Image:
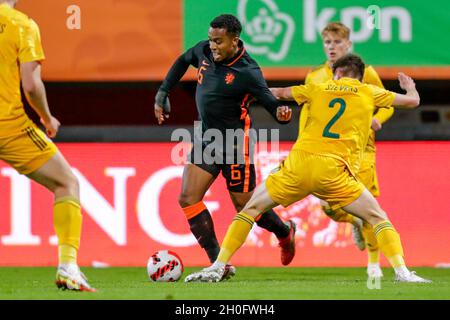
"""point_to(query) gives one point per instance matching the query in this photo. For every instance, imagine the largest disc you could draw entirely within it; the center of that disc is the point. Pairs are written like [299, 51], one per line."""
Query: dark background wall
[123, 111]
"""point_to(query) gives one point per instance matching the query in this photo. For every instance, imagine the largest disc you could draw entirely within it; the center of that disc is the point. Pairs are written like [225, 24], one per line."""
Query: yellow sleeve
[371, 77]
[30, 47]
[304, 113]
[384, 114]
[308, 78]
[301, 93]
[383, 97]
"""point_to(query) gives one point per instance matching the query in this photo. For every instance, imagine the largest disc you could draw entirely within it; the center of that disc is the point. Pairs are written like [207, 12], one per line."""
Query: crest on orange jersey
[229, 78]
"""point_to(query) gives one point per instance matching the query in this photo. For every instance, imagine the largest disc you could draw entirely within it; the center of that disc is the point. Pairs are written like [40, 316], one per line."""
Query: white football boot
[410, 276]
[210, 274]
[69, 277]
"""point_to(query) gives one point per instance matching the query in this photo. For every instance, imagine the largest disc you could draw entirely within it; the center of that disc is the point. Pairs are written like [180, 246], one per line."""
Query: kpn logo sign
[269, 31]
[285, 33]
[271, 28]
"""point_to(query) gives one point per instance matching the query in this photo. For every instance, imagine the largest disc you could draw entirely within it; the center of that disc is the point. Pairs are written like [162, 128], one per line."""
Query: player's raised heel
[287, 244]
[69, 277]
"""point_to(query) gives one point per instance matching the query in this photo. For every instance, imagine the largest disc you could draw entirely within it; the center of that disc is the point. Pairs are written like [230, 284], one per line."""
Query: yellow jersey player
[25, 147]
[324, 160]
[336, 43]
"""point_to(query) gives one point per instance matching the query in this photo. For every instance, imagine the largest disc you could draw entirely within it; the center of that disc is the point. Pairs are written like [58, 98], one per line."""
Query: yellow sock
[389, 242]
[396, 261]
[339, 215]
[236, 234]
[67, 254]
[67, 222]
[373, 256]
[373, 251]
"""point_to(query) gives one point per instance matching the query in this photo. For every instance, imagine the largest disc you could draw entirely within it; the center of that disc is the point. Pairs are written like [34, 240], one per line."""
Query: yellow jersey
[324, 73]
[339, 118]
[19, 43]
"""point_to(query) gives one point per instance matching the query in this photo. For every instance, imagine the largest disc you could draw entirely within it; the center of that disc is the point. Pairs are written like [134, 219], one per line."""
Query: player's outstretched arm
[411, 99]
[34, 89]
[258, 88]
[176, 72]
[162, 103]
[284, 94]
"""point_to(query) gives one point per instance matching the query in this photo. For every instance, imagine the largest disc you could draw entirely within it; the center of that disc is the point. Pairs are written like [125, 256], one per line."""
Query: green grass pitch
[249, 283]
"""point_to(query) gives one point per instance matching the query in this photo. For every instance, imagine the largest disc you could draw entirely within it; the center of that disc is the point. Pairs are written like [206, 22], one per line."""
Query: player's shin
[273, 223]
[202, 227]
[390, 244]
[373, 251]
[67, 221]
[236, 234]
[373, 256]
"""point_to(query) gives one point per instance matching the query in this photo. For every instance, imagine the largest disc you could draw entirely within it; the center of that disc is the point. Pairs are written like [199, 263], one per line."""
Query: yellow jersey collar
[351, 80]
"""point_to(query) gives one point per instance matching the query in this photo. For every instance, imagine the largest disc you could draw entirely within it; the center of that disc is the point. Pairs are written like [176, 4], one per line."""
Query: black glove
[162, 99]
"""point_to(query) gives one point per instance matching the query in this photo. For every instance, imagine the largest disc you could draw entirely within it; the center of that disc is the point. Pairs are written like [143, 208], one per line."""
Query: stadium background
[101, 80]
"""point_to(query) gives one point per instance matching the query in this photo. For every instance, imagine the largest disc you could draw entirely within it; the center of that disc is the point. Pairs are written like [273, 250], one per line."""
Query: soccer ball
[164, 266]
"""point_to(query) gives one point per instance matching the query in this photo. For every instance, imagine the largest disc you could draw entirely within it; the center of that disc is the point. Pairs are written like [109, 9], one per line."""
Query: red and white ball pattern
[164, 266]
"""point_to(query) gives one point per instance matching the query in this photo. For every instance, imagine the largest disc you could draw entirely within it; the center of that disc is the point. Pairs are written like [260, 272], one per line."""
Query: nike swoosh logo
[235, 184]
[205, 63]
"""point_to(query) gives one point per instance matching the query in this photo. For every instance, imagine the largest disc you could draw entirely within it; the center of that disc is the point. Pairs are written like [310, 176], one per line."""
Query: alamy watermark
[374, 19]
[213, 146]
[374, 283]
[73, 21]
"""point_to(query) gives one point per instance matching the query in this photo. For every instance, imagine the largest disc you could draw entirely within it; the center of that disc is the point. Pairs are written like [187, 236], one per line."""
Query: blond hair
[337, 28]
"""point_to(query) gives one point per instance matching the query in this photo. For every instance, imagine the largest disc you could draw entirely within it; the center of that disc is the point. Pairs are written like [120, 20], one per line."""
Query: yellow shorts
[304, 173]
[367, 173]
[27, 149]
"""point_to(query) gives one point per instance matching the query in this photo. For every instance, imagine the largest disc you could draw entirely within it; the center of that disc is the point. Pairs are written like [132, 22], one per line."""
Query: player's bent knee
[375, 217]
[239, 207]
[74, 183]
[186, 200]
[252, 209]
[67, 185]
[70, 181]
[182, 200]
[253, 212]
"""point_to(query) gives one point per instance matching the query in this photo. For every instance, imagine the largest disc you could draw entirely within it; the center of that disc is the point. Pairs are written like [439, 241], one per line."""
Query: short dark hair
[351, 64]
[228, 22]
